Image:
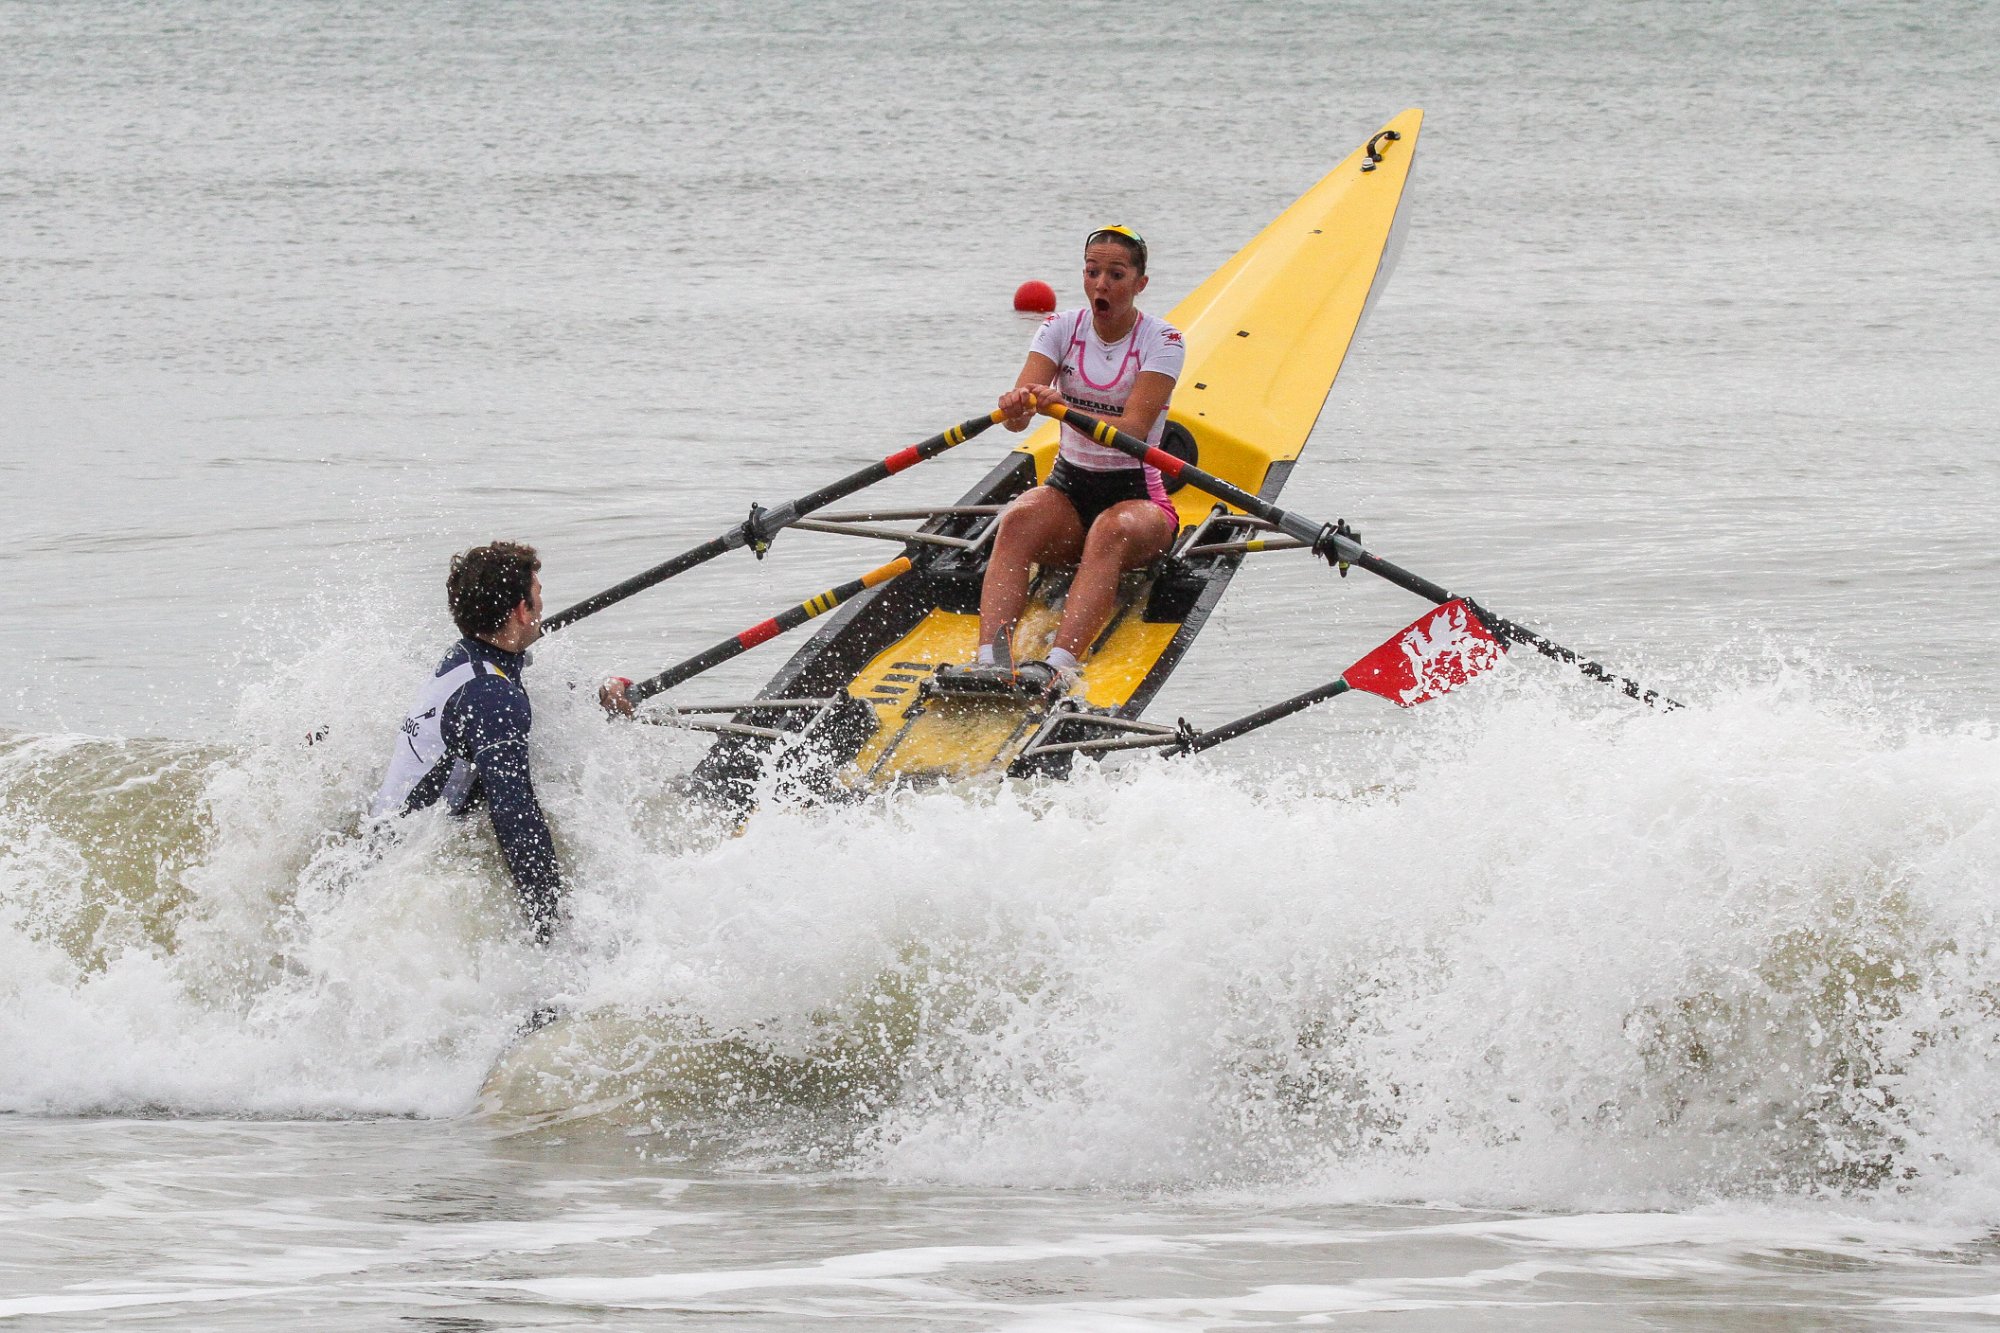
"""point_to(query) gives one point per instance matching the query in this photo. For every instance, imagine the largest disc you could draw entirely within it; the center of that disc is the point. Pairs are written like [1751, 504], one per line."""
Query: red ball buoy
[1036, 296]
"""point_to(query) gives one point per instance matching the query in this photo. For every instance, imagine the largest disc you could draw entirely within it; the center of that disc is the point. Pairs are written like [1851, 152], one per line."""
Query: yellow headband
[1127, 233]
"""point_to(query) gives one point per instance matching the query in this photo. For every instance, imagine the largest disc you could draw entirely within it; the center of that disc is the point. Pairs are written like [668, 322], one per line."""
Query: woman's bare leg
[1038, 528]
[1125, 536]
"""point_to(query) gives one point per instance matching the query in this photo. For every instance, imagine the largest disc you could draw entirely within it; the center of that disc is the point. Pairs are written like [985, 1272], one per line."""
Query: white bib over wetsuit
[422, 747]
[466, 741]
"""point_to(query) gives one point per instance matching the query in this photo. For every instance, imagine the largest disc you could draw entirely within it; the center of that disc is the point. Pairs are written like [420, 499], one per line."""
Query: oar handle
[764, 630]
[1107, 434]
[763, 525]
[1334, 544]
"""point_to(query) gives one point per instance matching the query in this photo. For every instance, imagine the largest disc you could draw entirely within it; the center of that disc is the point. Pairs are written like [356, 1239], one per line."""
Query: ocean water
[1528, 1008]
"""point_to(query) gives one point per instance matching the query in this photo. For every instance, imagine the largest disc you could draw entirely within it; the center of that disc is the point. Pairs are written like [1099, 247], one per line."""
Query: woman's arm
[1036, 380]
[1149, 398]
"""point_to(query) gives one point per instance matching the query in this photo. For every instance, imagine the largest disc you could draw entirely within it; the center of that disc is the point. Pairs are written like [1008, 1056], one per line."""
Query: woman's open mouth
[1103, 306]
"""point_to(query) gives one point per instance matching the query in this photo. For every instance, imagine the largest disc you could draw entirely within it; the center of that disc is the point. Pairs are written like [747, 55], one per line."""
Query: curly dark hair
[488, 582]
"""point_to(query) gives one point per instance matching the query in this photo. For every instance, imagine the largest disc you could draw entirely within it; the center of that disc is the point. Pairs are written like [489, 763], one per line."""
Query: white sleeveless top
[1098, 377]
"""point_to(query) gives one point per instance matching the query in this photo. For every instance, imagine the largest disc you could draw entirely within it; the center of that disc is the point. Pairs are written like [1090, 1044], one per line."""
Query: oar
[761, 528]
[1334, 544]
[1433, 655]
[790, 618]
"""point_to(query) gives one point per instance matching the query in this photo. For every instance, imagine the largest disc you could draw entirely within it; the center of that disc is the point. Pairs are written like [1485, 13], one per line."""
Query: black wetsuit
[485, 726]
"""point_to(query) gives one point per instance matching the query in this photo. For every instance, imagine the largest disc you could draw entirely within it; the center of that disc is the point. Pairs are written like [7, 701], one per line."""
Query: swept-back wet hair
[487, 583]
[1133, 247]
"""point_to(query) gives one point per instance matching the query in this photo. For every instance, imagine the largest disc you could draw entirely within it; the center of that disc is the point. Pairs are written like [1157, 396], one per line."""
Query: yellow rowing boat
[1265, 334]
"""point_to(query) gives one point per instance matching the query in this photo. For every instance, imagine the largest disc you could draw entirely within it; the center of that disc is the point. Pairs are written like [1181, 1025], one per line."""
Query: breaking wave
[1528, 946]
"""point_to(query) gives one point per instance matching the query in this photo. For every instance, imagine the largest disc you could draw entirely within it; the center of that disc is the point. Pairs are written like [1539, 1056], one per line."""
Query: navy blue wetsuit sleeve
[495, 729]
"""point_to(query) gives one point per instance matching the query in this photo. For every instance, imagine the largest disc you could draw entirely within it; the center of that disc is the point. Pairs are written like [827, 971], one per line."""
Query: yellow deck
[1265, 335]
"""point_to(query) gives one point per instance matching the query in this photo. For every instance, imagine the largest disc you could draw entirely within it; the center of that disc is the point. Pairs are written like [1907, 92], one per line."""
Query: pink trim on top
[1077, 346]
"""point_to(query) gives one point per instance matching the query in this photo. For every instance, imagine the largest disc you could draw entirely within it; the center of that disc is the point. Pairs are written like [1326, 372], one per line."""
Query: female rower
[1100, 510]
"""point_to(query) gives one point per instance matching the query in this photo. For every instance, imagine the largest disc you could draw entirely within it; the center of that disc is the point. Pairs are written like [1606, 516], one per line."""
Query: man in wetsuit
[466, 739]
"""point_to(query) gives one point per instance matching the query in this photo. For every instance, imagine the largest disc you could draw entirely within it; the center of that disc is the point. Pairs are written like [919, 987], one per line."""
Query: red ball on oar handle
[1036, 296]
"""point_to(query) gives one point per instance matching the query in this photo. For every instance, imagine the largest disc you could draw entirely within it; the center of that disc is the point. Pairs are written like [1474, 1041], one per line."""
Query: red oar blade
[1434, 655]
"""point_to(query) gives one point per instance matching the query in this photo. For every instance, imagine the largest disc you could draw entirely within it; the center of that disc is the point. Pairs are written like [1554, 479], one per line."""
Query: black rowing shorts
[1094, 492]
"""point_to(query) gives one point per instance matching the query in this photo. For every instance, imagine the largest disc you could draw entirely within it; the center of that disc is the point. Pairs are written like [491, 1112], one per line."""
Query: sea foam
[1530, 944]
